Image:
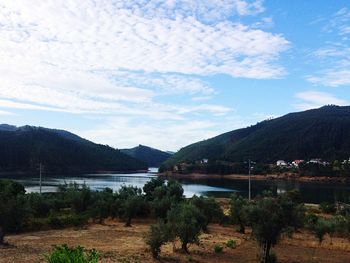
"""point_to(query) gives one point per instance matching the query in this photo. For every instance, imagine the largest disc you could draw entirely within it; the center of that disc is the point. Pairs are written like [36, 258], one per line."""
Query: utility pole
[250, 196]
[40, 168]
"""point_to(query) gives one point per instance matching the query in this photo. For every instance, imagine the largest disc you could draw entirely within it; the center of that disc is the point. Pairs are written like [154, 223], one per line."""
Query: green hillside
[319, 133]
[61, 152]
[152, 157]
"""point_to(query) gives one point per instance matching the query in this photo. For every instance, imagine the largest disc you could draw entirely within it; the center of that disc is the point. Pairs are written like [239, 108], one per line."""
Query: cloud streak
[315, 99]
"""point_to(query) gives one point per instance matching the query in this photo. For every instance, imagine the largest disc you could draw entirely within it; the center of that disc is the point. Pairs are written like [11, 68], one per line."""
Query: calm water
[311, 192]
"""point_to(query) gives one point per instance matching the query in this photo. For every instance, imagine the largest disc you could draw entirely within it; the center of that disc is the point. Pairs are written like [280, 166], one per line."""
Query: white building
[281, 163]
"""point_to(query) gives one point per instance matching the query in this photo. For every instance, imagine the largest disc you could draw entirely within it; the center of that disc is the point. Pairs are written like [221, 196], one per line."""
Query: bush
[65, 254]
[209, 208]
[321, 228]
[156, 237]
[231, 243]
[238, 211]
[55, 221]
[13, 208]
[40, 205]
[186, 222]
[218, 248]
[328, 208]
[311, 220]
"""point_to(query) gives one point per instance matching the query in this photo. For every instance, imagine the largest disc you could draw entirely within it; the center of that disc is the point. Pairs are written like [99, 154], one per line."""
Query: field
[117, 243]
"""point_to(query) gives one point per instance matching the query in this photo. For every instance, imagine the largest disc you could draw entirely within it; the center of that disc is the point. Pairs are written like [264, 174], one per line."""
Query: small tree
[270, 217]
[163, 196]
[238, 211]
[186, 222]
[13, 207]
[157, 236]
[320, 229]
[151, 185]
[209, 208]
[131, 203]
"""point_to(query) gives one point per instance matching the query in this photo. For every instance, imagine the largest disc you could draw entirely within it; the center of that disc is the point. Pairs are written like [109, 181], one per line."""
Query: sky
[167, 73]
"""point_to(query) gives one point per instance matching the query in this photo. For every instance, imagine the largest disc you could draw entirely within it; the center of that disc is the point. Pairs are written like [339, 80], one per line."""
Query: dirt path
[119, 244]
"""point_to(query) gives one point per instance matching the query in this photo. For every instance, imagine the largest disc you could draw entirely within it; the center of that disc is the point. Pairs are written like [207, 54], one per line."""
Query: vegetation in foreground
[268, 218]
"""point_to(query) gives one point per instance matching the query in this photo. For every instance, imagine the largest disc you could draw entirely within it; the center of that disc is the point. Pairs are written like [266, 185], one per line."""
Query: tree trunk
[2, 235]
[184, 247]
[267, 252]
[241, 228]
[128, 222]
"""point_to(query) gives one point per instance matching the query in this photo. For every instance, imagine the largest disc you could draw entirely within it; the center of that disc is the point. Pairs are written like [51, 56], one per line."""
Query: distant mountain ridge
[61, 152]
[153, 157]
[318, 133]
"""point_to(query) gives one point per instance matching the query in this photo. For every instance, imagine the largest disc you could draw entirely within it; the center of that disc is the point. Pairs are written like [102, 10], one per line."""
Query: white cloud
[99, 36]
[164, 84]
[119, 58]
[315, 99]
[334, 59]
[6, 113]
[170, 135]
[336, 63]
[339, 22]
[332, 77]
[203, 10]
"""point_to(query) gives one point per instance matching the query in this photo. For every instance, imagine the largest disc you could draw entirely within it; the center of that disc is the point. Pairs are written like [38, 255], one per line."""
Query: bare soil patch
[117, 243]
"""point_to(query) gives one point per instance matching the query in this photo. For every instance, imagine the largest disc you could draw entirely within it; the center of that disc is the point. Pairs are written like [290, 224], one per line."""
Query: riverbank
[276, 177]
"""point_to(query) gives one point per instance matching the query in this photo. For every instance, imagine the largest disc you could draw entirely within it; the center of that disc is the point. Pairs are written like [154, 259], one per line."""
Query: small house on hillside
[281, 163]
[297, 162]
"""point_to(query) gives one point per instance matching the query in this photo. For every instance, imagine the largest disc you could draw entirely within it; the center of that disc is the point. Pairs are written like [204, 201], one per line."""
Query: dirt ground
[117, 243]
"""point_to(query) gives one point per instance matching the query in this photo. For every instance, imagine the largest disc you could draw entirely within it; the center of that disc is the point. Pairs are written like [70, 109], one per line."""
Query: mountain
[61, 152]
[152, 157]
[319, 133]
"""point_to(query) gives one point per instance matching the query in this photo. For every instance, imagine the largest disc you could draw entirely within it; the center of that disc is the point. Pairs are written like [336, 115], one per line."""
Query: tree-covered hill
[61, 152]
[152, 157]
[319, 133]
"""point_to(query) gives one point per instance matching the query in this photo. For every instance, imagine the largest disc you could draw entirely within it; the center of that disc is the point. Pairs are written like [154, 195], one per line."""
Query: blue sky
[169, 73]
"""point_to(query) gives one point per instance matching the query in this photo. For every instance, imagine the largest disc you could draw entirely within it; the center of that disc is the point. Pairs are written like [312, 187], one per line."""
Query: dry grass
[119, 244]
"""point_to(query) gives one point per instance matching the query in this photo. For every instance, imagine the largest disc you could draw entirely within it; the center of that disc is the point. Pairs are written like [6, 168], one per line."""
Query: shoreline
[269, 177]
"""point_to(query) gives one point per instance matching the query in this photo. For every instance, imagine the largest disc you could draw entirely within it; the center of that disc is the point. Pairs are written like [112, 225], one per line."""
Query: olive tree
[13, 208]
[238, 211]
[185, 222]
[270, 217]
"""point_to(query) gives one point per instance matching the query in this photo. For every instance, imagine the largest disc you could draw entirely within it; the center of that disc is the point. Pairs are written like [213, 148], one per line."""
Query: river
[310, 192]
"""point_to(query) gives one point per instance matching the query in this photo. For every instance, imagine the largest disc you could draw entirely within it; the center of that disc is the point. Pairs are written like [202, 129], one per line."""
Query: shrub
[55, 221]
[189, 258]
[186, 222]
[270, 217]
[13, 208]
[231, 243]
[209, 208]
[218, 248]
[39, 205]
[156, 237]
[328, 208]
[238, 213]
[320, 229]
[65, 254]
[311, 220]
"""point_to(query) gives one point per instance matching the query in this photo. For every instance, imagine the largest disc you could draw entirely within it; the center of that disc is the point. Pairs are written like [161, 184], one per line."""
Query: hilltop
[152, 157]
[61, 152]
[318, 133]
